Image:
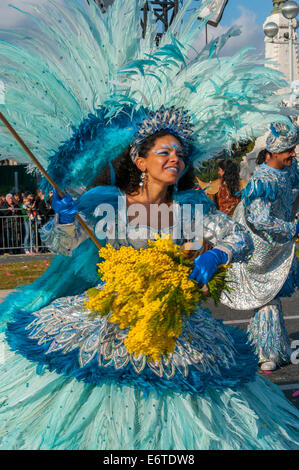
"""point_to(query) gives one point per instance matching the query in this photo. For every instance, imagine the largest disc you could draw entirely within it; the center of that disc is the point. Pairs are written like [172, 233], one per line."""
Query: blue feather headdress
[175, 121]
[78, 101]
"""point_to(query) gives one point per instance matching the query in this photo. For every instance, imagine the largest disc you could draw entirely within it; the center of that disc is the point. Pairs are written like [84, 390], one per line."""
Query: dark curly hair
[231, 175]
[128, 176]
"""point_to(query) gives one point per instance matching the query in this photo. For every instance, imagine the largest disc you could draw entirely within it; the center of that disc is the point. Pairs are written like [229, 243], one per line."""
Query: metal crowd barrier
[13, 230]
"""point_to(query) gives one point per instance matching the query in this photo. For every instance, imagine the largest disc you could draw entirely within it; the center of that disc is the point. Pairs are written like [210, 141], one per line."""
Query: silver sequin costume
[267, 210]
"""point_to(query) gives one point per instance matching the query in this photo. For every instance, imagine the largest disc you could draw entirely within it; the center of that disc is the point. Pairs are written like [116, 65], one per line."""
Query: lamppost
[290, 10]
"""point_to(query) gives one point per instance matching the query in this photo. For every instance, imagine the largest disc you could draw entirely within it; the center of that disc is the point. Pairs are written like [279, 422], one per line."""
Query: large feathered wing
[78, 83]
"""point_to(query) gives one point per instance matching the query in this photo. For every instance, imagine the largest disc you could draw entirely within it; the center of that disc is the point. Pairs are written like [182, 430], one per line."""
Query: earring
[142, 179]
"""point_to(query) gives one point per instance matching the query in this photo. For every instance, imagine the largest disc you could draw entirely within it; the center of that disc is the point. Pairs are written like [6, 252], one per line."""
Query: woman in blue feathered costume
[68, 382]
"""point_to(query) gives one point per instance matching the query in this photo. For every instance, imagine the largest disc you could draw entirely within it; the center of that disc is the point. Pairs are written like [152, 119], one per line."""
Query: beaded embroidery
[175, 120]
[65, 326]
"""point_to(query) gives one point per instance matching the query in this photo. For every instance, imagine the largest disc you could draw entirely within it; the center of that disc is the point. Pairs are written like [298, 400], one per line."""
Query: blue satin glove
[65, 207]
[207, 264]
[297, 229]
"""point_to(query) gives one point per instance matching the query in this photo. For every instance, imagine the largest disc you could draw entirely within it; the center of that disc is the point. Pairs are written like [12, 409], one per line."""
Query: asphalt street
[287, 377]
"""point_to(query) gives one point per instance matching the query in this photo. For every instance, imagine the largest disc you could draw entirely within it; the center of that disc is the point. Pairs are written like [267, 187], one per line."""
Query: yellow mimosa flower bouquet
[149, 292]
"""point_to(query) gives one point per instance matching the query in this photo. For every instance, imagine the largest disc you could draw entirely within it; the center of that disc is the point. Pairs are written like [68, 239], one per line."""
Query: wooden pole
[43, 171]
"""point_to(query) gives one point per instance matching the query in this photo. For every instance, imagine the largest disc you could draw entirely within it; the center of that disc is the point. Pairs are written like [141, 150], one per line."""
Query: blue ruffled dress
[68, 382]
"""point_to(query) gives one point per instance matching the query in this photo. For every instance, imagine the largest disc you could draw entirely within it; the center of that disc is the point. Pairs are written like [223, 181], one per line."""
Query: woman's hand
[65, 207]
[207, 264]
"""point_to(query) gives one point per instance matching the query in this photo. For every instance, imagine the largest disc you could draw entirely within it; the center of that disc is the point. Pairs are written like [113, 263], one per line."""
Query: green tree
[208, 170]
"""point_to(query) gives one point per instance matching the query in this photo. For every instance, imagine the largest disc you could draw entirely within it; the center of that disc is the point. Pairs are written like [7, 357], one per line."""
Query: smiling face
[283, 159]
[164, 162]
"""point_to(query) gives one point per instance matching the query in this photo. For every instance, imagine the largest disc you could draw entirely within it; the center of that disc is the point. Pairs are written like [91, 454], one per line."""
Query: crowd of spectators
[21, 216]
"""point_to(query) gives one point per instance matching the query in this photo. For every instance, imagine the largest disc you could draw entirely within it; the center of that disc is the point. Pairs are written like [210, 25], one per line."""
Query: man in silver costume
[268, 210]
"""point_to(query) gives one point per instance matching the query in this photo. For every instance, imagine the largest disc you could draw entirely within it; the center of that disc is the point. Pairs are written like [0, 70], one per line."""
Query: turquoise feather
[97, 62]
[191, 87]
[256, 188]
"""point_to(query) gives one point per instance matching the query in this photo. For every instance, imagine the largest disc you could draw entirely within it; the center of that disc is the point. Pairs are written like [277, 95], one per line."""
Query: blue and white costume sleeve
[222, 232]
[294, 175]
[260, 218]
[264, 214]
[266, 210]
[62, 238]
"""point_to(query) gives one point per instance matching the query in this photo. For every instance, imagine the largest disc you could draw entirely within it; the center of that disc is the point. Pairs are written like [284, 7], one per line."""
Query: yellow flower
[148, 292]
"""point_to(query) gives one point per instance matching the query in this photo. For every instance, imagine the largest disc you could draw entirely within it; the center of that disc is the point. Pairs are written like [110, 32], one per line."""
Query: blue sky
[262, 9]
[249, 14]
[231, 13]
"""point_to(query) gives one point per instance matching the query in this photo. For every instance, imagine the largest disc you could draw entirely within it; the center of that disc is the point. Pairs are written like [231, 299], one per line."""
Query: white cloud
[252, 34]
[10, 17]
